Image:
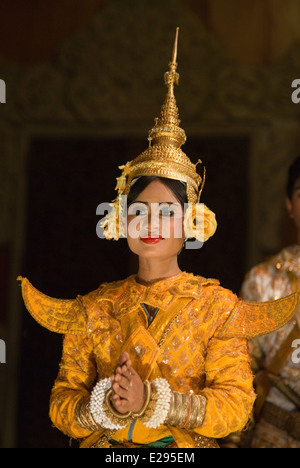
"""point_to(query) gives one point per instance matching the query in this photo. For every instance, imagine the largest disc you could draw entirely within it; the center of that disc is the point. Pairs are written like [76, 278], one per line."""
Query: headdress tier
[164, 157]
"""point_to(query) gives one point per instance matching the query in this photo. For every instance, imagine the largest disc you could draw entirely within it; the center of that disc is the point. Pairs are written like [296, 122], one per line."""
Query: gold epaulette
[251, 319]
[57, 315]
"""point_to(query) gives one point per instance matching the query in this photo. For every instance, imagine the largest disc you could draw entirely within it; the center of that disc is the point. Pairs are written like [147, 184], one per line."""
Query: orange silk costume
[197, 342]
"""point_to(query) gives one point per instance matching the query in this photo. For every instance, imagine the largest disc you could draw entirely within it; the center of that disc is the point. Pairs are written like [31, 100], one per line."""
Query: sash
[143, 345]
[264, 382]
[144, 350]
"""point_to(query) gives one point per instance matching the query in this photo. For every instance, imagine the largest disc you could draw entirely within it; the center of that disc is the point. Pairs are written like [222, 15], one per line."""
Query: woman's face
[155, 223]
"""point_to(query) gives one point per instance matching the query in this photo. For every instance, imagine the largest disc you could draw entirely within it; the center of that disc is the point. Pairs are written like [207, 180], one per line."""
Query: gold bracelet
[84, 417]
[175, 412]
[201, 411]
[173, 409]
[186, 411]
[189, 412]
[147, 388]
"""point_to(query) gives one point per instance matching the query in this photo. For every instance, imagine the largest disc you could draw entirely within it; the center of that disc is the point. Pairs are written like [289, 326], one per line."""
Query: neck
[151, 268]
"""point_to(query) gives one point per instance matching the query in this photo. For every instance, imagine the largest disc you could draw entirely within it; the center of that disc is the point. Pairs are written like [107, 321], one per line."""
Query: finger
[121, 406]
[127, 374]
[125, 383]
[123, 358]
[132, 371]
[115, 401]
[122, 388]
[118, 378]
[121, 391]
[125, 371]
[115, 397]
[124, 365]
[118, 371]
[128, 362]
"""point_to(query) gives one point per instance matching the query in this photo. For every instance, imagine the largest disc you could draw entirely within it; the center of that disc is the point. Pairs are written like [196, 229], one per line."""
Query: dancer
[275, 356]
[159, 359]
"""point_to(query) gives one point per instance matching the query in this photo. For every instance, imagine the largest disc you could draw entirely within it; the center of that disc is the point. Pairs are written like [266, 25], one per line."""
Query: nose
[150, 222]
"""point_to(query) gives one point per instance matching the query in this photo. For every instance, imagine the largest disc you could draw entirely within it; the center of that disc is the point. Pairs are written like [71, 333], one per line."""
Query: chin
[148, 253]
[161, 250]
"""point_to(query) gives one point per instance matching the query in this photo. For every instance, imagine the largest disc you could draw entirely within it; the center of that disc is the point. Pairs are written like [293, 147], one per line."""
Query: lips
[151, 239]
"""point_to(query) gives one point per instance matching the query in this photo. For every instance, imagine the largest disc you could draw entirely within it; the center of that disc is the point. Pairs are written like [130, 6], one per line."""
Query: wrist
[159, 404]
[146, 400]
[83, 415]
[186, 411]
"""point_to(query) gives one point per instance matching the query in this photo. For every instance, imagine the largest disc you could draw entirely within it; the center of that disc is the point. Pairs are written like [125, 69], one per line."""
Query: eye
[170, 210]
[137, 209]
[167, 212]
[139, 212]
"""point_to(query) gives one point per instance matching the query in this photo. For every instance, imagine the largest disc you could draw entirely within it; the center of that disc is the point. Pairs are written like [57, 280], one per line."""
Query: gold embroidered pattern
[58, 315]
[250, 319]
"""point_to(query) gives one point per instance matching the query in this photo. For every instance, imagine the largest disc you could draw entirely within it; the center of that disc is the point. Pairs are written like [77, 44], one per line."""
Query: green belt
[161, 443]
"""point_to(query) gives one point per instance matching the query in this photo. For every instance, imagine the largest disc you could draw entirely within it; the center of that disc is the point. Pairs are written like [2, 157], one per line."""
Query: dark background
[59, 59]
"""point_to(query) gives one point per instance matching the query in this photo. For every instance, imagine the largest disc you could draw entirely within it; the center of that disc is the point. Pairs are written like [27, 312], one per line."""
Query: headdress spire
[172, 77]
[166, 129]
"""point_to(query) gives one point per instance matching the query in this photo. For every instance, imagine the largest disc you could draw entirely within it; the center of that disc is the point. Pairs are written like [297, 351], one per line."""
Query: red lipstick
[151, 239]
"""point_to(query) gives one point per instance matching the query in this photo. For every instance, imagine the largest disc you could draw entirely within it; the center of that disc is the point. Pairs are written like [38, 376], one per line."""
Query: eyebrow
[160, 203]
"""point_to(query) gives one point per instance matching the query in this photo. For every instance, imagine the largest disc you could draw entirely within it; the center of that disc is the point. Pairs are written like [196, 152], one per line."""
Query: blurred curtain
[252, 31]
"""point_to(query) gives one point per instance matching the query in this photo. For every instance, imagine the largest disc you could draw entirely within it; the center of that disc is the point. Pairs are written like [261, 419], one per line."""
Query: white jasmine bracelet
[97, 405]
[164, 395]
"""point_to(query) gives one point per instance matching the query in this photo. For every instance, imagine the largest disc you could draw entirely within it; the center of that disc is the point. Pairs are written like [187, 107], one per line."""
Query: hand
[128, 388]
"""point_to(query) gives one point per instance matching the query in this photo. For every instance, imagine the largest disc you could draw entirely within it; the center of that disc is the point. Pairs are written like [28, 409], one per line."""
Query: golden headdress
[164, 158]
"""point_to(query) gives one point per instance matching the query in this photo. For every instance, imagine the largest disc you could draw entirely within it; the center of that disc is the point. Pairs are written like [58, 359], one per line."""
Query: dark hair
[293, 175]
[178, 188]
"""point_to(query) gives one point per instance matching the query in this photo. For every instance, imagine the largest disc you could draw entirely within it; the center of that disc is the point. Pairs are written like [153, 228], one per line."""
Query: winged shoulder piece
[251, 319]
[247, 319]
[57, 315]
